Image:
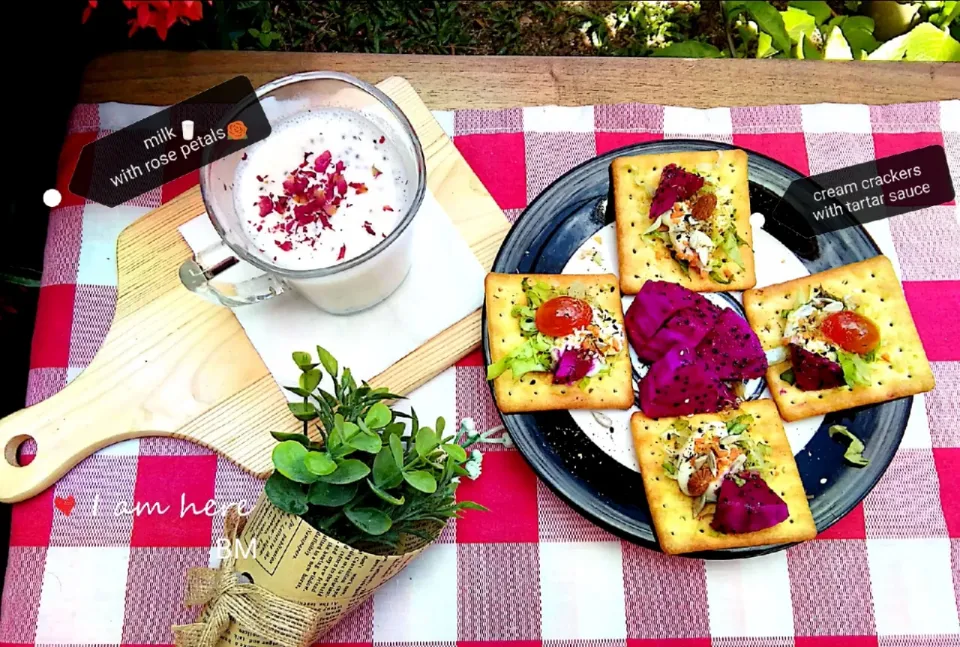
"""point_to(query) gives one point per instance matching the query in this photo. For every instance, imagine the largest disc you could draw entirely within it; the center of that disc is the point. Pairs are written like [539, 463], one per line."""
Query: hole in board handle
[12, 452]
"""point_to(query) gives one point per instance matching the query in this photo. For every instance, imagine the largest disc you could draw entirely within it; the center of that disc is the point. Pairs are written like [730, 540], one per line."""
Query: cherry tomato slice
[562, 315]
[852, 332]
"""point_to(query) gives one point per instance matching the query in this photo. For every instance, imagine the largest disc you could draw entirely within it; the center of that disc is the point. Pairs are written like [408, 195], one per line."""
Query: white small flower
[473, 464]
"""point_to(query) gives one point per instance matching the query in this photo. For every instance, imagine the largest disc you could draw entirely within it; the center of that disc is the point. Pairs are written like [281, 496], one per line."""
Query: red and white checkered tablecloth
[85, 570]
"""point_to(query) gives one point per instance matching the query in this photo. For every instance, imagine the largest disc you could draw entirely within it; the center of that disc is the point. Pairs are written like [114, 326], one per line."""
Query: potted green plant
[353, 499]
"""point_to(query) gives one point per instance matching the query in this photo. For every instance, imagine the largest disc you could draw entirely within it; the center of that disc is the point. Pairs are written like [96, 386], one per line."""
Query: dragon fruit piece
[656, 302]
[812, 372]
[685, 329]
[678, 384]
[572, 366]
[675, 185]
[749, 507]
[733, 349]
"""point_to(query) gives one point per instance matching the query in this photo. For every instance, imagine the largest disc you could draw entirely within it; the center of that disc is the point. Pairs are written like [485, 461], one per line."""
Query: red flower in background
[160, 15]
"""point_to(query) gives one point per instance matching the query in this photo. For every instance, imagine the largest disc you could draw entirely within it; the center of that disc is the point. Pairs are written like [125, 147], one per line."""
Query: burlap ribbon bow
[259, 613]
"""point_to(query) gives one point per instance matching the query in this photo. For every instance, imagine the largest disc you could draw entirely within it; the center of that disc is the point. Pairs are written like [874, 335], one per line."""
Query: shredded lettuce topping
[856, 369]
[854, 452]
[532, 355]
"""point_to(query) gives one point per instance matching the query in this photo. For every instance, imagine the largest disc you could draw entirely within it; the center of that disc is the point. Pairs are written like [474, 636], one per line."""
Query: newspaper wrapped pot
[283, 584]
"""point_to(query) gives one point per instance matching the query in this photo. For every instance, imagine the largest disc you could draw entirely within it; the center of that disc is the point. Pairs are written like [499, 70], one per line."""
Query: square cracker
[635, 179]
[901, 367]
[536, 391]
[677, 529]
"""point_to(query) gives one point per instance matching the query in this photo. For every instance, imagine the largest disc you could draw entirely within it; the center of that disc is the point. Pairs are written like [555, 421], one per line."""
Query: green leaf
[302, 359]
[366, 442]
[329, 363]
[440, 426]
[331, 496]
[688, 49]
[456, 452]
[765, 48]
[768, 19]
[302, 410]
[386, 472]
[396, 448]
[854, 453]
[731, 8]
[288, 458]
[819, 9]
[298, 391]
[309, 380]
[927, 43]
[810, 51]
[426, 441]
[421, 480]
[265, 25]
[836, 47]
[319, 463]
[470, 505]
[798, 23]
[285, 494]
[789, 377]
[347, 471]
[858, 30]
[369, 520]
[856, 372]
[253, 31]
[303, 439]
[378, 416]
[386, 496]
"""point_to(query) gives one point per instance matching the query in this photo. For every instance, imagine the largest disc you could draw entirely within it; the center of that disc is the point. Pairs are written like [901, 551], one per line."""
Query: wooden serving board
[174, 364]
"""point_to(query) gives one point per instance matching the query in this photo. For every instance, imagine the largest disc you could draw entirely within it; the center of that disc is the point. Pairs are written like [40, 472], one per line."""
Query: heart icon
[65, 504]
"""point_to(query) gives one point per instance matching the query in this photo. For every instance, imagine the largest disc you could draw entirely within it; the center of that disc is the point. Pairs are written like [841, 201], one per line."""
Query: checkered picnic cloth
[83, 570]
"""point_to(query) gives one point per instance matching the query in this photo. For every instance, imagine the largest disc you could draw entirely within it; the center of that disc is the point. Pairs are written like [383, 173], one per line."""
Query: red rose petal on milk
[388, 208]
[341, 185]
[376, 172]
[285, 245]
[322, 161]
[339, 167]
[382, 139]
[281, 204]
[266, 205]
[359, 187]
[343, 252]
[369, 228]
[295, 184]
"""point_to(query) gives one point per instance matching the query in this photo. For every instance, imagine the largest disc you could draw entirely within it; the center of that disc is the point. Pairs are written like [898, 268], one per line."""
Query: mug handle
[199, 273]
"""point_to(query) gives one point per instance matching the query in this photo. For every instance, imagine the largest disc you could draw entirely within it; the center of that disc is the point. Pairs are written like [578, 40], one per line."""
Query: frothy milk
[324, 187]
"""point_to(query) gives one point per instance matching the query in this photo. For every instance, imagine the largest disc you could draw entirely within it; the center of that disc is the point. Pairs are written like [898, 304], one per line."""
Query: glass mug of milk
[325, 205]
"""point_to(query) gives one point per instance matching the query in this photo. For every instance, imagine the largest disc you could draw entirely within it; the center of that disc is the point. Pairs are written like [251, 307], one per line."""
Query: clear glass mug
[233, 272]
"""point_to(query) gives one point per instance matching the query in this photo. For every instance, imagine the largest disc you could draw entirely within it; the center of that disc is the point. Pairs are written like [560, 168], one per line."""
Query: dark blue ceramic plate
[544, 238]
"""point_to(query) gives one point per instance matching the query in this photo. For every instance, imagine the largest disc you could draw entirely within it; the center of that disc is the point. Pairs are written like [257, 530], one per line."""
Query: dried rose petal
[369, 228]
[285, 245]
[339, 167]
[295, 184]
[266, 205]
[376, 172]
[281, 204]
[382, 139]
[341, 185]
[330, 209]
[343, 252]
[359, 187]
[388, 208]
[322, 161]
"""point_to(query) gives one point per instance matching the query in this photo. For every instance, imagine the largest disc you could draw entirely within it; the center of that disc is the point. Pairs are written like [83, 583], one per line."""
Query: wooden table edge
[488, 82]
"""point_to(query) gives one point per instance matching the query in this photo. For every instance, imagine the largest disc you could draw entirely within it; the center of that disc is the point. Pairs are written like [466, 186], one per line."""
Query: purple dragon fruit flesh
[812, 372]
[749, 507]
[656, 302]
[732, 349]
[685, 329]
[572, 366]
[678, 385]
